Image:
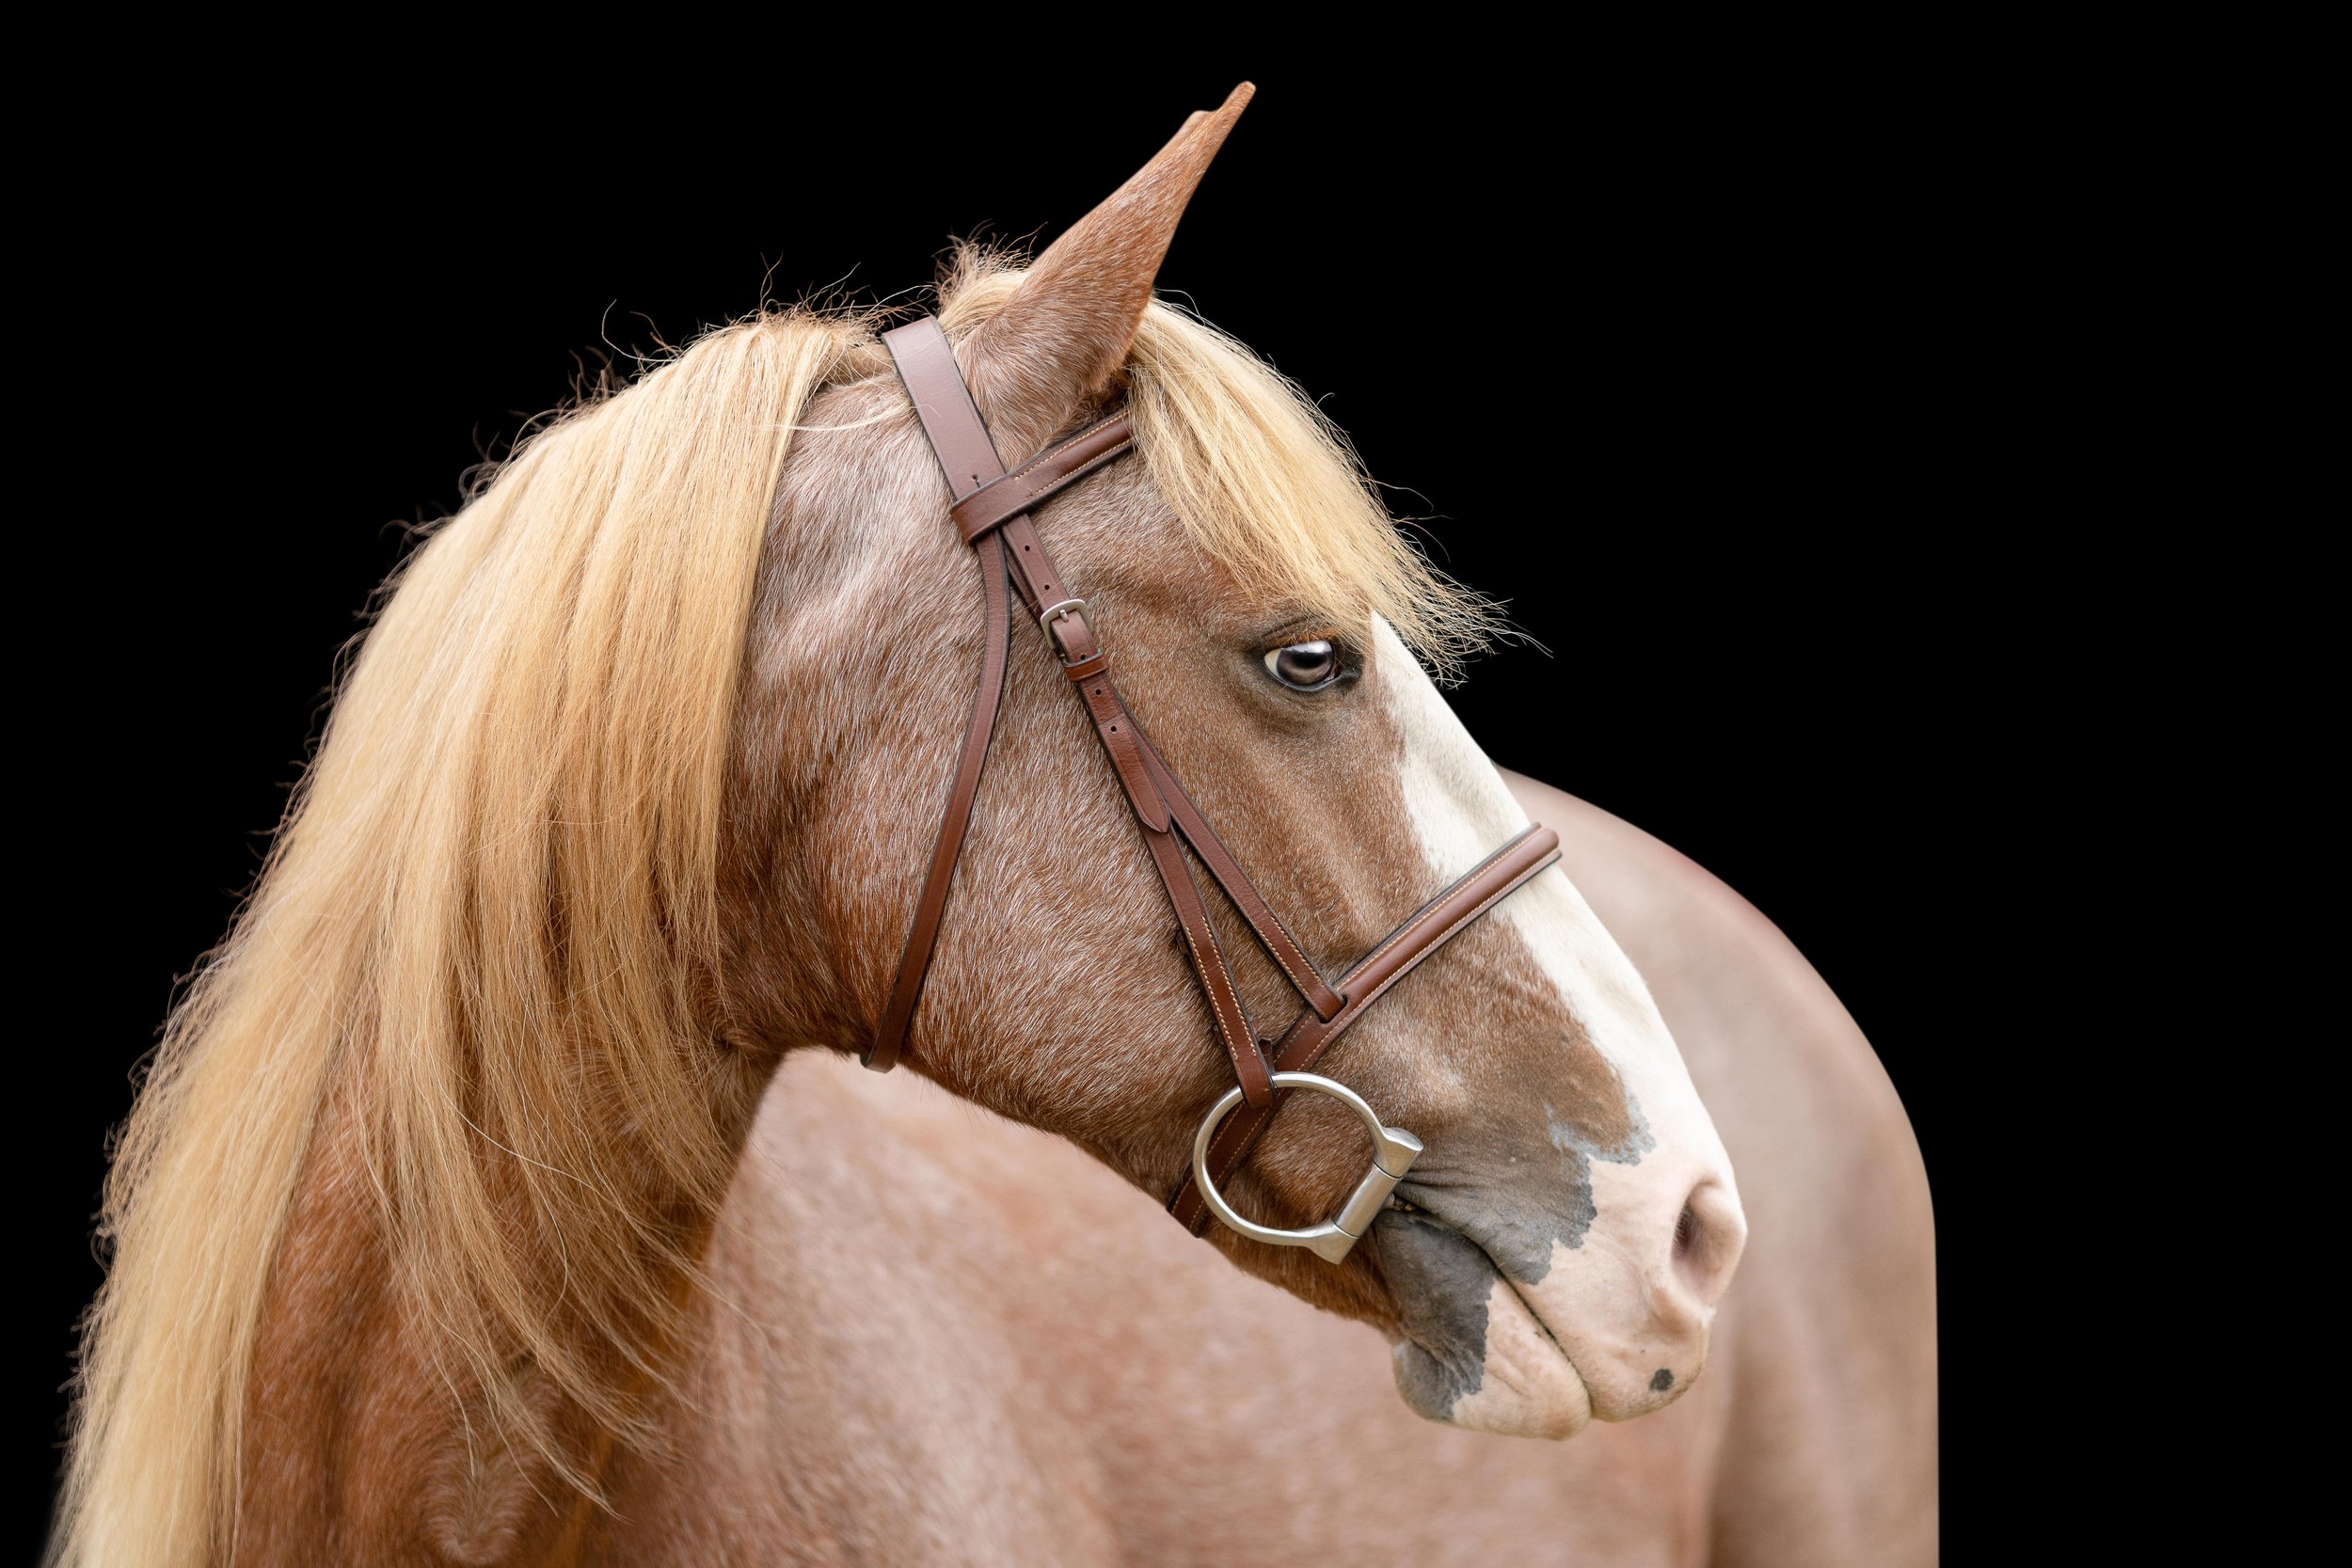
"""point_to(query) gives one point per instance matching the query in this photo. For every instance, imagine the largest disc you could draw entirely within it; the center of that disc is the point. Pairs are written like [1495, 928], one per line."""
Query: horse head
[1557, 1251]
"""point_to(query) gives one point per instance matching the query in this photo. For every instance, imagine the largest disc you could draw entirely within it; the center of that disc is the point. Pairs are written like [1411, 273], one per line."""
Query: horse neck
[361, 1427]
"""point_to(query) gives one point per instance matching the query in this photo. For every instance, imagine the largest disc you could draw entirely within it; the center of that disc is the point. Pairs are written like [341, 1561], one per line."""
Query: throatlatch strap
[914, 960]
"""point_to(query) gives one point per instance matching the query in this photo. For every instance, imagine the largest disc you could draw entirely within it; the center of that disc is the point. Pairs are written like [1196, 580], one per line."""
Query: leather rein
[990, 511]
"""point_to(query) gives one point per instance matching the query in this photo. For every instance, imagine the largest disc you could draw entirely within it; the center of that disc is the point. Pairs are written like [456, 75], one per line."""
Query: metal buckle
[1393, 1150]
[1055, 612]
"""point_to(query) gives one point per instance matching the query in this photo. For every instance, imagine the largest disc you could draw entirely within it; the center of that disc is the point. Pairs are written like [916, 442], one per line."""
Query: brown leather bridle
[992, 511]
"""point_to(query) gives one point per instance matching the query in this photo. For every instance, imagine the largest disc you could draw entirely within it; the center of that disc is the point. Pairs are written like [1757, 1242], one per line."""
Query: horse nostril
[1686, 1234]
[1709, 1234]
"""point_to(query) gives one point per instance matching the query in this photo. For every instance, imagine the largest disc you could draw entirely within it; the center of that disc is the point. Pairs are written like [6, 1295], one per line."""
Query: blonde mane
[490, 918]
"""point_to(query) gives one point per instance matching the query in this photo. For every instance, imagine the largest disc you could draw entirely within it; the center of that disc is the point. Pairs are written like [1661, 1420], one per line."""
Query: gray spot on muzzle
[1439, 1281]
[1510, 1192]
[1519, 1231]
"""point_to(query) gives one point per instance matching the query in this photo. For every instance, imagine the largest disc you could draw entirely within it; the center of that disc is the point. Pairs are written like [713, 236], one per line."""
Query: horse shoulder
[1827, 1338]
[858, 1390]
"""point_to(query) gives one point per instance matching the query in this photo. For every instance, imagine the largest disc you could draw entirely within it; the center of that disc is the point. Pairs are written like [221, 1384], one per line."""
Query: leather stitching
[1038, 479]
[1280, 944]
[1232, 1025]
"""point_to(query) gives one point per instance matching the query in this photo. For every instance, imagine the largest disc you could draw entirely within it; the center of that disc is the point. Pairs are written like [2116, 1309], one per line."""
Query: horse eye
[1305, 666]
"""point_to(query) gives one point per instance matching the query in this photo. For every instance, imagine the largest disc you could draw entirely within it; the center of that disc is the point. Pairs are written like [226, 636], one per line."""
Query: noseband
[991, 511]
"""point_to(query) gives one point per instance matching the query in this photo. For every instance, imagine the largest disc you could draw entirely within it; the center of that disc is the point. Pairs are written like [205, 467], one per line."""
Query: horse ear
[1064, 334]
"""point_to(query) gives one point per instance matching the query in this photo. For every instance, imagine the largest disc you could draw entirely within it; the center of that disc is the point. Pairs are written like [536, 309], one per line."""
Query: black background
[1711, 372]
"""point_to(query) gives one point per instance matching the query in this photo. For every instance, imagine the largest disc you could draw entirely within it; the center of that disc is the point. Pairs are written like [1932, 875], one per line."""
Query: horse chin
[1472, 1353]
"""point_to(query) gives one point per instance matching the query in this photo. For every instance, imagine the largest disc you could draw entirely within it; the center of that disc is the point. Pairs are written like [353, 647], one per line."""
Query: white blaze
[1462, 812]
[1597, 1300]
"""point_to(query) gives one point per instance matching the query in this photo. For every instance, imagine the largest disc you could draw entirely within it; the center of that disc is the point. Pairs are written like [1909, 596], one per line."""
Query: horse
[502, 1191]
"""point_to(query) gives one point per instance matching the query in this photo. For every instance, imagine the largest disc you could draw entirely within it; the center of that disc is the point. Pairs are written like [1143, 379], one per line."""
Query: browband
[990, 511]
